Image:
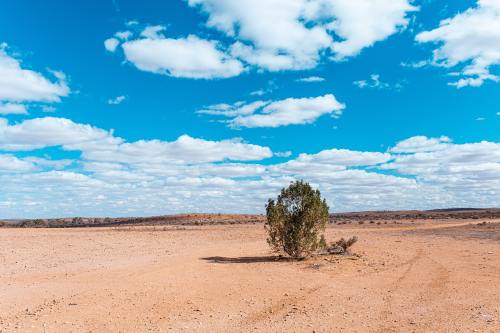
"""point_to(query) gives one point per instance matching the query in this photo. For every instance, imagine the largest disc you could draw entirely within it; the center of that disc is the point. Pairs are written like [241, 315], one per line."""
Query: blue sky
[121, 108]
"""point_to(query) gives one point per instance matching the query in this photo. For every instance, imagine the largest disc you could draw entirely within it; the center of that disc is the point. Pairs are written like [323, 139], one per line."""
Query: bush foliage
[296, 220]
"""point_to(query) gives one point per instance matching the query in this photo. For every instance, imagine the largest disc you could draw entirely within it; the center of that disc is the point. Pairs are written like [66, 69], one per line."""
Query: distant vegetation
[180, 219]
[34, 224]
[364, 218]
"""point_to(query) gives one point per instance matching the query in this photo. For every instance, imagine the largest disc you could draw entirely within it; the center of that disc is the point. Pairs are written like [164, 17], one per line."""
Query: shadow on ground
[244, 260]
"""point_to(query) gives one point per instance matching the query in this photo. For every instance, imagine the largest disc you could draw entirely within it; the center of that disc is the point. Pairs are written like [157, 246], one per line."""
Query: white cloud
[132, 23]
[471, 40]
[12, 108]
[111, 44]
[310, 79]
[480, 118]
[417, 64]
[10, 163]
[153, 32]
[270, 35]
[375, 82]
[100, 145]
[270, 87]
[46, 132]
[184, 150]
[471, 169]
[277, 39]
[18, 84]
[364, 22]
[190, 57]
[123, 35]
[287, 153]
[290, 111]
[155, 177]
[260, 92]
[117, 100]
[48, 109]
[345, 157]
[441, 158]
[282, 34]
[49, 163]
[234, 110]
[418, 144]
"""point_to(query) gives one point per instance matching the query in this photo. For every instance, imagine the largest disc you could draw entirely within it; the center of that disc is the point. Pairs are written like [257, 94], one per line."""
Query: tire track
[279, 307]
[431, 291]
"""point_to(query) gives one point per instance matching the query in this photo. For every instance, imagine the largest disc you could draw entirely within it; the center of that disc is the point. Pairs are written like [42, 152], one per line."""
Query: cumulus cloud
[100, 145]
[19, 85]
[185, 57]
[290, 111]
[362, 23]
[269, 35]
[470, 40]
[278, 35]
[189, 57]
[183, 150]
[345, 157]
[461, 170]
[264, 28]
[46, 132]
[12, 108]
[114, 177]
[10, 163]
[419, 144]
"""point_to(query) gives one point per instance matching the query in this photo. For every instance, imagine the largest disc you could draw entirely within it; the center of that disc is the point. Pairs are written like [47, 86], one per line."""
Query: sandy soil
[426, 277]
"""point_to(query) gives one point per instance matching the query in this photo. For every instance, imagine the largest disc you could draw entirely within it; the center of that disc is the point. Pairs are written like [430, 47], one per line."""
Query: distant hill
[210, 219]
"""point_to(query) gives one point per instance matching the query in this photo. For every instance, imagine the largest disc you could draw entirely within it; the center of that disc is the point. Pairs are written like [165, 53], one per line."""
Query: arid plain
[405, 275]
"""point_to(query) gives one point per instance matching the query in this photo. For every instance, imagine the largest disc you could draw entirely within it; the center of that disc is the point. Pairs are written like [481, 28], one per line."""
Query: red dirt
[409, 277]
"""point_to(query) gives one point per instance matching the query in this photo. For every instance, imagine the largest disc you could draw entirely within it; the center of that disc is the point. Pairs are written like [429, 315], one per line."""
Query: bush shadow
[244, 260]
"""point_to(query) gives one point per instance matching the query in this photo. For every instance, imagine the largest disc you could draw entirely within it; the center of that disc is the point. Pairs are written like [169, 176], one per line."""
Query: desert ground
[410, 276]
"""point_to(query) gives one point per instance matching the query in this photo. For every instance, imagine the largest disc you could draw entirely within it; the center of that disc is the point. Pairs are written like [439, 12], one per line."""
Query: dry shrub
[341, 246]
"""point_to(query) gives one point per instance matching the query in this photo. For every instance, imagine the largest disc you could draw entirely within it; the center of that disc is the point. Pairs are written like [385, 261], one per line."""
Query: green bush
[296, 220]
